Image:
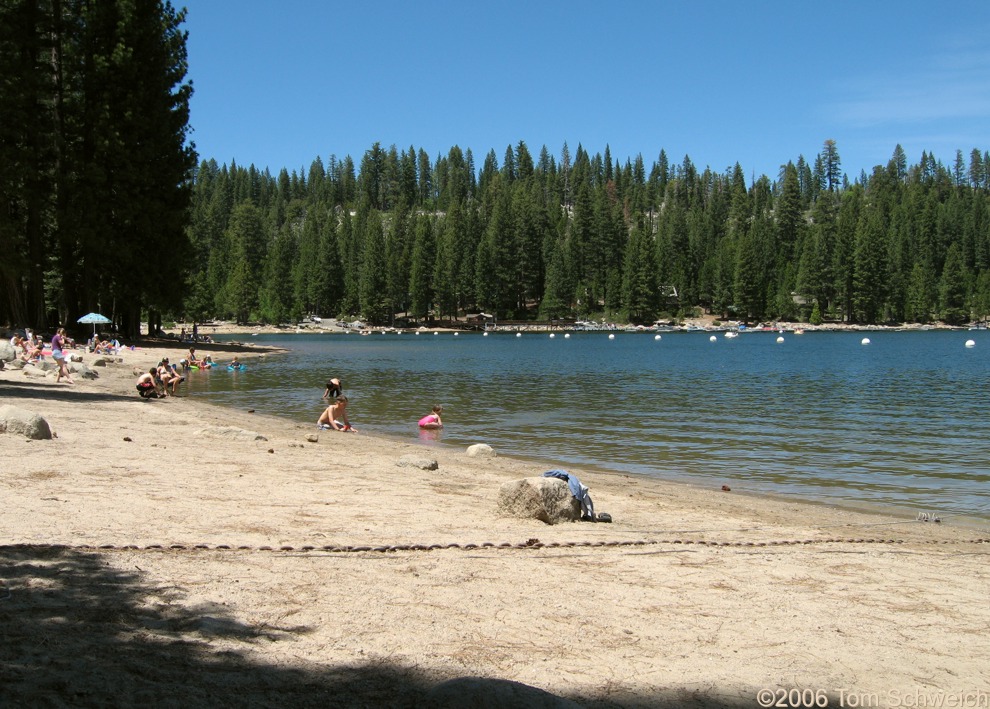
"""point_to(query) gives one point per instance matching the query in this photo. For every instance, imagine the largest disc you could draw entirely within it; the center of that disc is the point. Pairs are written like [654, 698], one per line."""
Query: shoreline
[951, 516]
[691, 596]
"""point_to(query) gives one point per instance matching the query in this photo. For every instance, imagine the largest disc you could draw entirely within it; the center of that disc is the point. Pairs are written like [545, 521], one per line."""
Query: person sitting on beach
[335, 416]
[334, 389]
[165, 375]
[100, 346]
[176, 378]
[192, 361]
[147, 385]
[31, 350]
[432, 420]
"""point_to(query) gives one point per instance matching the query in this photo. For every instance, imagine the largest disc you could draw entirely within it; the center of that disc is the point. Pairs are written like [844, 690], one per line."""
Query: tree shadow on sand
[28, 389]
[75, 630]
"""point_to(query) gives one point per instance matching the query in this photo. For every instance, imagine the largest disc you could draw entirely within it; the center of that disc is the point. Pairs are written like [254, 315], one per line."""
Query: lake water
[903, 421]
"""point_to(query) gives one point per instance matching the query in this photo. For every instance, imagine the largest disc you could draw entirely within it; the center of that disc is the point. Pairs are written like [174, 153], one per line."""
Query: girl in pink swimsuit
[432, 420]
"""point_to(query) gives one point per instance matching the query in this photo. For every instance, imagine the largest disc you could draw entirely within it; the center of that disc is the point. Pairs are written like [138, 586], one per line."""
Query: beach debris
[16, 420]
[481, 450]
[128, 439]
[271, 450]
[230, 432]
[412, 460]
[546, 499]
[250, 411]
[312, 438]
[929, 517]
[726, 488]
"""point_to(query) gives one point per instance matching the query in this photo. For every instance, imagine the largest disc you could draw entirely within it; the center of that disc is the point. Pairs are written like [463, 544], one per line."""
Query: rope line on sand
[528, 544]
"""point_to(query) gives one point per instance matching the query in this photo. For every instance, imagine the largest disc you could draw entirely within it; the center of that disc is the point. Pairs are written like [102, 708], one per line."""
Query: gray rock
[82, 370]
[481, 450]
[23, 422]
[34, 371]
[7, 352]
[16, 364]
[546, 499]
[312, 438]
[230, 433]
[414, 461]
[485, 693]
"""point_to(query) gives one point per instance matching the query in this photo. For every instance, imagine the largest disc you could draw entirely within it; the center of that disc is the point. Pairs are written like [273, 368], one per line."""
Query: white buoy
[417, 333]
[657, 337]
[779, 340]
[713, 339]
[485, 335]
[566, 335]
[866, 341]
[611, 337]
[435, 332]
[518, 334]
[552, 336]
[970, 343]
[456, 334]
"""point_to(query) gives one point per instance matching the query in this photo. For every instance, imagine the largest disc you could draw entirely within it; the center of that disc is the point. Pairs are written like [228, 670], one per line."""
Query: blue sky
[279, 83]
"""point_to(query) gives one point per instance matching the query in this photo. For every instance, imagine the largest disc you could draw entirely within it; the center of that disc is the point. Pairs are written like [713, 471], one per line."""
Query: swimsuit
[430, 419]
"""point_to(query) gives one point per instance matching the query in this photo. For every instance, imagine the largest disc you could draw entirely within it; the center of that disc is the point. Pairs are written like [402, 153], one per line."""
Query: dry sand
[639, 613]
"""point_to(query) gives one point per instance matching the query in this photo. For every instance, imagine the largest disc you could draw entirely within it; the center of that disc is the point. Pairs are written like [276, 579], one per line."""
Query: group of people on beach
[160, 381]
[32, 349]
[334, 417]
[164, 378]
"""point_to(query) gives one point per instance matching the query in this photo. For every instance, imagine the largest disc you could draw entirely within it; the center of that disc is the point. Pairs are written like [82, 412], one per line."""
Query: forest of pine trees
[105, 208]
[578, 236]
[95, 167]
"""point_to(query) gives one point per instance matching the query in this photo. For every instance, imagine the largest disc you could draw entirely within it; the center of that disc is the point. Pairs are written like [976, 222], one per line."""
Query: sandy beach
[174, 553]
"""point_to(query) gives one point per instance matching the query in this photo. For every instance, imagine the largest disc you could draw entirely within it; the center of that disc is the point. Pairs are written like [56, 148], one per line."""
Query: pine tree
[246, 238]
[953, 288]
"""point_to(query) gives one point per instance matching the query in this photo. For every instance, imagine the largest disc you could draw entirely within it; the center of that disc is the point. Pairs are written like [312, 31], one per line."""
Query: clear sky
[280, 82]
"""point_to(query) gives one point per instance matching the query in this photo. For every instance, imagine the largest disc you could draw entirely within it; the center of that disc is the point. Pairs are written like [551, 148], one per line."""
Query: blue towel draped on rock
[578, 490]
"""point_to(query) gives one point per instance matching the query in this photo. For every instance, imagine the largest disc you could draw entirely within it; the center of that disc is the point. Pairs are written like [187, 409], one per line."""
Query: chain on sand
[528, 544]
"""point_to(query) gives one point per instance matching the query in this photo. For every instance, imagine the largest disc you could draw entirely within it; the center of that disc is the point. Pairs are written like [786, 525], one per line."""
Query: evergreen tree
[953, 288]
[374, 295]
[870, 270]
[246, 238]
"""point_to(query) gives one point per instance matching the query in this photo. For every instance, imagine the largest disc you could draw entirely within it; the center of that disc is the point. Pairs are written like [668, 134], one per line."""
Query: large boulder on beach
[82, 370]
[7, 352]
[412, 460]
[15, 364]
[546, 499]
[481, 450]
[230, 433]
[487, 693]
[22, 422]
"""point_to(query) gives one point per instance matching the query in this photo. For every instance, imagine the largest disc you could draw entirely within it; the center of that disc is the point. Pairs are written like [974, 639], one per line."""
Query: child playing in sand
[335, 416]
[432, 420]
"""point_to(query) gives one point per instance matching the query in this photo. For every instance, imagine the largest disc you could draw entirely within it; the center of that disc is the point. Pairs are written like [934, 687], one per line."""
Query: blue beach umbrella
[94, 318]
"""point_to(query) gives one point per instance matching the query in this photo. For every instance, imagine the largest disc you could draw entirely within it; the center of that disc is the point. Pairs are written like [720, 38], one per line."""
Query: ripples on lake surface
[901, 421]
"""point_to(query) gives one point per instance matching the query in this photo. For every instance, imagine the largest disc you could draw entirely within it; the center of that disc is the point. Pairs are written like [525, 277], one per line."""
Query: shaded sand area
[691, 597]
